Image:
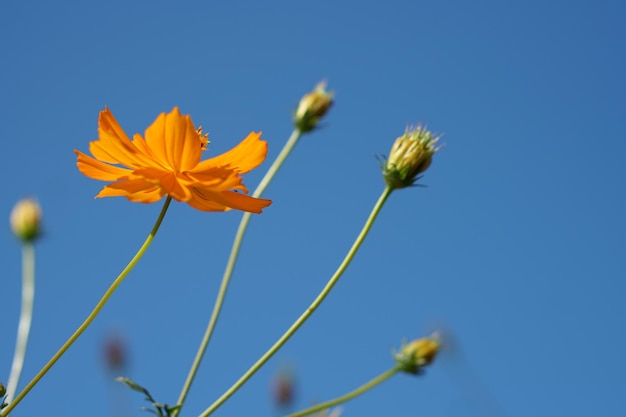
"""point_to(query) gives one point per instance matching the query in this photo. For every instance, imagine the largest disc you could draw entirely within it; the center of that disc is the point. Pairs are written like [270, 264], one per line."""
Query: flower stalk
[94, 313]
[230, 266]
[26, 318]
[411, 358]
[309, 311]
[311, 109]
[349, 396]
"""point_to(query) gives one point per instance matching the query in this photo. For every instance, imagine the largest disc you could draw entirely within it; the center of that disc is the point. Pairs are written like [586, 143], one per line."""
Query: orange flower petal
[108, 123]
[206, 205]
[136, 190]
[113, 146]
[229, 199]
[243, 202]
[221, 179]
[167, 180]
[97, 170]
[174, 141]
[141, 145]
[249, 154]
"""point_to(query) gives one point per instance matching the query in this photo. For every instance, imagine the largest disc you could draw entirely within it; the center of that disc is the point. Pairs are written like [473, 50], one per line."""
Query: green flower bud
[26, 219]
[313, 106]
[410, 156]
[413, 356]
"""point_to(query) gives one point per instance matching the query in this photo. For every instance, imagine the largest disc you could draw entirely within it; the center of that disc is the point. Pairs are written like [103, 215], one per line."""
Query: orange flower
[166, 160]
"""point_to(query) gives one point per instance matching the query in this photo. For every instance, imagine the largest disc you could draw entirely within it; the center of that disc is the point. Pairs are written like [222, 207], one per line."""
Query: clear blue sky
[517, 244]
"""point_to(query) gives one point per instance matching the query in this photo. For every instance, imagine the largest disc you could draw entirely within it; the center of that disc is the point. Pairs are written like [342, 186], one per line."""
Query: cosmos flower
[166, 161]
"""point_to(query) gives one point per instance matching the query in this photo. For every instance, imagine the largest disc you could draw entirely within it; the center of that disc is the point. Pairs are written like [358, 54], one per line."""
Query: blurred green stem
[26, 317]
[93, 313]
[230, 266]
[339, 400]
[307, 313]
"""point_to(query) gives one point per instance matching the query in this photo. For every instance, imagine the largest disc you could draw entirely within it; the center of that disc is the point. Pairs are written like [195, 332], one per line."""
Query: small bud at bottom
[413, 356]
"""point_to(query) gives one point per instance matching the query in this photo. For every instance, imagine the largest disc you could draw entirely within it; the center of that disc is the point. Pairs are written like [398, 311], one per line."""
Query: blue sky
[516, 246]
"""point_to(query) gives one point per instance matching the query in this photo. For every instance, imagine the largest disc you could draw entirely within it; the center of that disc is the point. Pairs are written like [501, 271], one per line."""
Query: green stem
[349, 396]
[316, 303]
[93, 313]
[230, 266]
[26, 317]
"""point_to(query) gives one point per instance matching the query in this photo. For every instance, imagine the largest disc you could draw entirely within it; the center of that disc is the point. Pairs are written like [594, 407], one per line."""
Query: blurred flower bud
[411, 155]
[413, 356]
[3, 393]
[115, 353]
[284, 387]
[313, 106]
[26, 220]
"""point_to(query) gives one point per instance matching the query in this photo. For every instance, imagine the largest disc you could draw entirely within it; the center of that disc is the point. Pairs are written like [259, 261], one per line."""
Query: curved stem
[344, 398]
[93, 313]
[230, 266]
[26, 317]
[316, 303]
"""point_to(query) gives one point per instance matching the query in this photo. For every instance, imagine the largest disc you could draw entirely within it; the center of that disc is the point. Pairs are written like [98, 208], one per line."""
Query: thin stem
[349, 396]
[93, 313]
[316, 303]
[271, 172]
[230, 266]
[26, 317]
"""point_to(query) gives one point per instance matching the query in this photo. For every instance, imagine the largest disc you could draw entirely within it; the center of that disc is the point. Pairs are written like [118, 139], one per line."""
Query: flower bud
[313, 106]
[410, 155]
[3, 393]
[26, 220]
[115, 353]
[284, 388]
[413, 356]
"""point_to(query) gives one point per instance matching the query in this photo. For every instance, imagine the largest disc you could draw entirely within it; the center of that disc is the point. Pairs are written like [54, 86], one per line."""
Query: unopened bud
[3, 393]
[313, 106]
[284, 387]
[413, 356]
[26, 220]
[115, 353]
[283, 391]
[410, 156]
